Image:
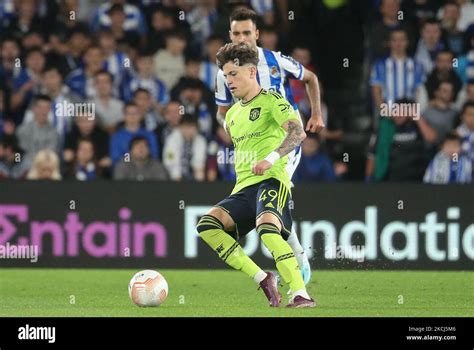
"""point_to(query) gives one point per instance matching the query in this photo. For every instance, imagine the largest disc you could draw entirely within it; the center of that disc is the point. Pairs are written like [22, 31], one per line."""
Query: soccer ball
[148, 288]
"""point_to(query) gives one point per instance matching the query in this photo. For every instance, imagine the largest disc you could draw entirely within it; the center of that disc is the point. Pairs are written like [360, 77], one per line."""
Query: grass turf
[86, 292]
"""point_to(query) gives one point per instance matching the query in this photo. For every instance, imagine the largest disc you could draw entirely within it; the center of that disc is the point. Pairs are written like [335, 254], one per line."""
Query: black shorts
[248, 204]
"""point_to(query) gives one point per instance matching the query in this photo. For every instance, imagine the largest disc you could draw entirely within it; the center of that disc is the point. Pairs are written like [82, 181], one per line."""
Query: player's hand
[315, 123]
[261, 166]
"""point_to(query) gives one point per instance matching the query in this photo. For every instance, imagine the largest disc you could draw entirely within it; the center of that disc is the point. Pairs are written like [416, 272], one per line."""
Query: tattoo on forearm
[294, 135]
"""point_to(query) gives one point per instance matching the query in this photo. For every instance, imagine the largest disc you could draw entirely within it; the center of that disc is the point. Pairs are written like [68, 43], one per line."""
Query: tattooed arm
[294, 136]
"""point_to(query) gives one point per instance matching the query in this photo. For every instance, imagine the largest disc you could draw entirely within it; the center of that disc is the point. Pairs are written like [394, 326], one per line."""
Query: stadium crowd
[125, 90]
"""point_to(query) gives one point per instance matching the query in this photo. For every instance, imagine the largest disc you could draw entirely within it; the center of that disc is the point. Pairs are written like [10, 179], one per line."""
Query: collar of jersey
[243, 104]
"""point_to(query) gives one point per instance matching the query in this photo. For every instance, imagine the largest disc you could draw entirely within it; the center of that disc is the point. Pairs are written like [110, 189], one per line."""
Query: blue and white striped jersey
[443, 170]
[398, 78]
[134, 19]
[273, 73]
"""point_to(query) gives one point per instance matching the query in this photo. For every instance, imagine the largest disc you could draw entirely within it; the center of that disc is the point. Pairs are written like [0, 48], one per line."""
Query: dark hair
[10, 141]
[188, 119]
[116, 8]
[145, 52]
[105, 72]
[137, 139]
[41, 97]
[129, 104]
[243, 14]
[214, 37]
[451, 136]
[175, 34]
[191, 83]
[241, 54]
[50, 68]
[445, 51]
[441, 82]
[33, 50]
[467, 105]
[137, 91]
[192, 58]
[401, 30]
[430, 21]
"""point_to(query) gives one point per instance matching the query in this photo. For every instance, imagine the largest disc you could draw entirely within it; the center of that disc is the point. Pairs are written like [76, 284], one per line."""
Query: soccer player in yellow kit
[264, 128]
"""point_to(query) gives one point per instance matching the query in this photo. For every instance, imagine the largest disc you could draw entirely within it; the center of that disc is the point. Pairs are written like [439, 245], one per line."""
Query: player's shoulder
[272, 95]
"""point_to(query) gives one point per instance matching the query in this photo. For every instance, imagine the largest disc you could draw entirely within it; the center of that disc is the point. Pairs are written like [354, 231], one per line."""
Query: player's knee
[208, 222]
[268, 218]
[268, 228]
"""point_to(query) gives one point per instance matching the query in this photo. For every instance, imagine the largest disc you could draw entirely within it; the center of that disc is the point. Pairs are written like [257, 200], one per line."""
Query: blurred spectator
[172, 115]
[25, 19]
[264, 9]
[86, 128]
[466, 13]
[449, 23]
[439, 115]
[67, 20]
[466, 130]
[443, 71]
[220, 164]
[184, 155]
[108, 108]
[28, 81]
[77, 43]
[162, 21]
[465, 66]
[429, 44]
[120, 141]
[465, 95]
[449, 165]
[190, 93]
[201, 20]
[117, 62]
[380, 30]
[84, 167]
[315, 165]
[7, 13]
[81, 80]
[420, 11]
[11, 164]
[141, 166]
[9, 53]
[52, 85]
[148, 109]
[38, 134]
[124, 20]
[268, 38]
[146, 79]
[169, 63]
[397, 76]
[298, 87]
[208, 69]
[400, 153]
[45, 166]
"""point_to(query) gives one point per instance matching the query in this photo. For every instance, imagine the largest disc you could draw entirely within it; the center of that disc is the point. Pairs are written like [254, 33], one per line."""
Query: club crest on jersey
[254, 114]
[274, 72]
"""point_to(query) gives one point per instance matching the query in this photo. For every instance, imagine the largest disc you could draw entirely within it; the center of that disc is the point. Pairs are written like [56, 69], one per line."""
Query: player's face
[244, 32]
[239, 78]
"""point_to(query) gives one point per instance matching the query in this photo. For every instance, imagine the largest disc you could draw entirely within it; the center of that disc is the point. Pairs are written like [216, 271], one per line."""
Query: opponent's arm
[315, 122]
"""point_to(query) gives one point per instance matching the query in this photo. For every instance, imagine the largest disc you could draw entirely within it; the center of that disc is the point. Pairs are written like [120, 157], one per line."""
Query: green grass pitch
[87, 292]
